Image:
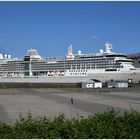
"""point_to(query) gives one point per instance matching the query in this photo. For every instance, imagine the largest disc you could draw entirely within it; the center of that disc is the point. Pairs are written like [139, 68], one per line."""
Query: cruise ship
[73, 68]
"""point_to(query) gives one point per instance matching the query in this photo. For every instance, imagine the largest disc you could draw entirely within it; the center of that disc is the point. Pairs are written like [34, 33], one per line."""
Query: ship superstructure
[73, 68]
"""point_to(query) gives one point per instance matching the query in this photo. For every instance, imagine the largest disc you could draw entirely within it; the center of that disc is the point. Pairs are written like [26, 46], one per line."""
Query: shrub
[109, 124]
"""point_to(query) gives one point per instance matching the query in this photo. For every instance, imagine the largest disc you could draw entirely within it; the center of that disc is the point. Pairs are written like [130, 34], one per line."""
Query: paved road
[51, 102]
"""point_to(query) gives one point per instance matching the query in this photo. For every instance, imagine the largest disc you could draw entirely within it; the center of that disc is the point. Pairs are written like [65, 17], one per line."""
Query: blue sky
[51, 26]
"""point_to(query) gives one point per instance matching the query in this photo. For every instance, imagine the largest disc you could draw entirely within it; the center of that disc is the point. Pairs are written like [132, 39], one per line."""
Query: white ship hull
[102, 77]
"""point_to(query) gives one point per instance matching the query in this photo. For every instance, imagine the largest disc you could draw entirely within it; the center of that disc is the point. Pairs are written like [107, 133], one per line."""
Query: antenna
[108, 47]
[70, 53]
[70, 50]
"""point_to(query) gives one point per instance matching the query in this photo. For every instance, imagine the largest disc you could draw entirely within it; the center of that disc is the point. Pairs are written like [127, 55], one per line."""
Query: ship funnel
[33, 54]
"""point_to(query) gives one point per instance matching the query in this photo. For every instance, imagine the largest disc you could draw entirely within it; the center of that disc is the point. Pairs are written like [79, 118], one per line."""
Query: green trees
[109, 124]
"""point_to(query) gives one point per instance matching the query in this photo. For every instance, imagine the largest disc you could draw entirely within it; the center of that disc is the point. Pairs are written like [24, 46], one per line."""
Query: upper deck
[33, 55]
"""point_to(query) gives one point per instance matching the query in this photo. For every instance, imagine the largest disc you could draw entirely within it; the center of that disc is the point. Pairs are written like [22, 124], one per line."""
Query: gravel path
[51, 102]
